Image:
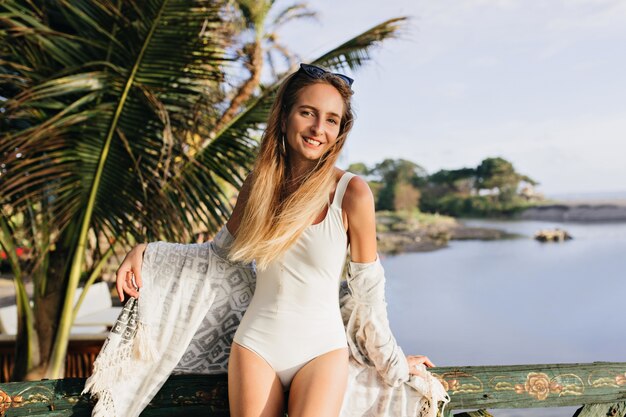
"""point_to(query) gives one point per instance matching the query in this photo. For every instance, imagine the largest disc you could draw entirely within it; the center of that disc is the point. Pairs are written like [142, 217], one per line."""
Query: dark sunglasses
[316, 72]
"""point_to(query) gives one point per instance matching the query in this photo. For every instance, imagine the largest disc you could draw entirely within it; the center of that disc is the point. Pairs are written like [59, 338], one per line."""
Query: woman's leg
[318, 388]
[254, 389]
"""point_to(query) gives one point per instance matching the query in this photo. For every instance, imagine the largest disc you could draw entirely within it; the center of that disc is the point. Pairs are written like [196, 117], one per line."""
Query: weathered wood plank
[470, 387]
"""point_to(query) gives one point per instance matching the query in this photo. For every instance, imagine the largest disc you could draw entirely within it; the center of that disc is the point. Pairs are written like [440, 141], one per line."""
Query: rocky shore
[421, 232]
[399, 235]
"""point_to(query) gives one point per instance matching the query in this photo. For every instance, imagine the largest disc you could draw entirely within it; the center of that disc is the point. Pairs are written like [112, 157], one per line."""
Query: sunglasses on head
[316, 72]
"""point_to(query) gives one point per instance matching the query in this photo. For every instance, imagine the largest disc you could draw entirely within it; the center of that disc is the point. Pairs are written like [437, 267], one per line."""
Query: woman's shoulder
[358, 195]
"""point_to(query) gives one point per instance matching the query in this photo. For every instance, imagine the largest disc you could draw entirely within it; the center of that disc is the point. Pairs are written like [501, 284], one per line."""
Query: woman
[295, 216]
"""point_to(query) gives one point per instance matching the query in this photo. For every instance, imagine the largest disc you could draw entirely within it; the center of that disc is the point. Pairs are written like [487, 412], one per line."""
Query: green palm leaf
[357, 51]
[100, 103]
[139, 103]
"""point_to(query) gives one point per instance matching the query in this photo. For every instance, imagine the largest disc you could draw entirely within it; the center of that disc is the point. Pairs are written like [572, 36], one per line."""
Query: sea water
[514, 301]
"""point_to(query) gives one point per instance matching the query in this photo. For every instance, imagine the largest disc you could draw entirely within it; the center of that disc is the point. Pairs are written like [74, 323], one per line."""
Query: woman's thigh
[318, 388]
[253, 386]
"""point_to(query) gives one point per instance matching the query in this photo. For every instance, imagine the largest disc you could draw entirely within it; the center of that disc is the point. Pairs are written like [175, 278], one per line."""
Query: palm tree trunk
[49, 300]
[26, 346]
[48, 312]
[245, 91]
[26, 341]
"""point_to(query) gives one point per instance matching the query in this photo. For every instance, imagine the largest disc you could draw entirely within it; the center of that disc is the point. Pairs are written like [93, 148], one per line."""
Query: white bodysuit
[294, 314]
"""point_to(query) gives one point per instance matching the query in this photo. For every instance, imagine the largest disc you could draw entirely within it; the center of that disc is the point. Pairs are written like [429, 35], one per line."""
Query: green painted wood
[527, 386]
[181, 395]
[470, 387]
[602, 410]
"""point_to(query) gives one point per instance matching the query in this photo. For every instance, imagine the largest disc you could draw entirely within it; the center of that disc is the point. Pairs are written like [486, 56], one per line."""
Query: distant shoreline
[439, 231]
[591, 197]
[577, 211]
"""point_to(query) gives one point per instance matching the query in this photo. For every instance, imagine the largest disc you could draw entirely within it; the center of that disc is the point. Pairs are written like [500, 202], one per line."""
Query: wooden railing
[599, 388]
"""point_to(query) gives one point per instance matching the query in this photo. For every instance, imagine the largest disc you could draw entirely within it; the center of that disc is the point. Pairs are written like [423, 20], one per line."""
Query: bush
[476, 206]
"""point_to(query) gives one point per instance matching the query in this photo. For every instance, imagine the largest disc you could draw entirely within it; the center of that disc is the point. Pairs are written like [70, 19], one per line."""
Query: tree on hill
[406, 197]
[461, 181]
[399, 184]
[400, 181]
[489, 189]
[500, 175]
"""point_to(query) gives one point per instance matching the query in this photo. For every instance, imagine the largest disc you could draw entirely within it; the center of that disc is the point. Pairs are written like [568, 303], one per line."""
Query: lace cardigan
[191, 303]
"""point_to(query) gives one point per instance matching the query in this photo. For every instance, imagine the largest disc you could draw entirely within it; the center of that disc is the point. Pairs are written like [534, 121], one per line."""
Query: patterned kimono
[191, 303]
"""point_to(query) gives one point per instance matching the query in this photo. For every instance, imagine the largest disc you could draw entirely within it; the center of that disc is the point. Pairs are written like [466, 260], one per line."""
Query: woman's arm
[358, 205]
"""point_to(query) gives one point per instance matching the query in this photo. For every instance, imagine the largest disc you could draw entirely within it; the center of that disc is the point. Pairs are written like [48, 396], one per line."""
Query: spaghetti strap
[341, 188]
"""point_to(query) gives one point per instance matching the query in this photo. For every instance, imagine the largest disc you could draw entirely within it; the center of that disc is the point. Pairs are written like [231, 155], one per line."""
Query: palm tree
[99, 97]
[259, 44]
[100, 103]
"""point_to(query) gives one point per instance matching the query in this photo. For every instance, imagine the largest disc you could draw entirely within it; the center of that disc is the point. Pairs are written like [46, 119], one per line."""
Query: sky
[540, 83]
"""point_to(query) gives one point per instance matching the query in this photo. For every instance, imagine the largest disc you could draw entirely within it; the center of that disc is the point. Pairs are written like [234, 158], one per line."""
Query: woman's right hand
[130, 267]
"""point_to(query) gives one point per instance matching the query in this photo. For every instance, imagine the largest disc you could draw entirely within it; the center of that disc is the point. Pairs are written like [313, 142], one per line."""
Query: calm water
[514, 301]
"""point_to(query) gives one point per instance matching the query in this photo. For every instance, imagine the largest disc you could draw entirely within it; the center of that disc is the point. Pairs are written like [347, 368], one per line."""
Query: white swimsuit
[294, 314]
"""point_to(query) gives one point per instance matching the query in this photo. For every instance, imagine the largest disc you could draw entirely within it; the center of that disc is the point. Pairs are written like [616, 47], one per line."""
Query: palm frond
[296, 11]
[357, 51]
[140, 98]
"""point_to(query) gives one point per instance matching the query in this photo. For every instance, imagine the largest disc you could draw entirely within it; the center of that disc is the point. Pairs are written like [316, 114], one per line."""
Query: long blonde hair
[273, 218]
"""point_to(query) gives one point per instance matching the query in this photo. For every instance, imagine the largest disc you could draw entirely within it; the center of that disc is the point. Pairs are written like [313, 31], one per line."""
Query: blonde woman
[296, 216]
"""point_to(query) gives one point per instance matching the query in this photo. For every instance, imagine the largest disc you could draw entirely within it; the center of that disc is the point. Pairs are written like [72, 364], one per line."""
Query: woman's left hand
[418, 360]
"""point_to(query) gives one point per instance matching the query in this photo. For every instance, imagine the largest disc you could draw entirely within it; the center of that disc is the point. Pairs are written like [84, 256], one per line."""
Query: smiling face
[313, 124]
